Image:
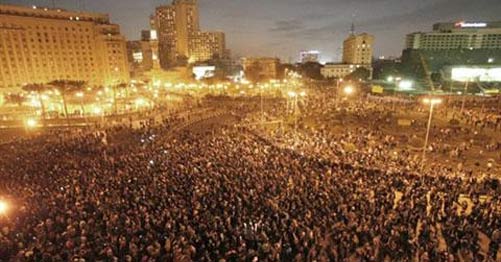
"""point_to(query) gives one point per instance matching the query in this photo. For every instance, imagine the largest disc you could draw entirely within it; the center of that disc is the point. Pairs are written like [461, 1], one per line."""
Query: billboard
[477, 74]
[202, 72]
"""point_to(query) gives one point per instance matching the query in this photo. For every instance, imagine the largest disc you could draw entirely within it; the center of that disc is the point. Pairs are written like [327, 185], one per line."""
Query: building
[453, 45]
[39, 45]
[261, 68]
[140, 57]
[459, 35]
[207, 46]
[180, 38]
[358, 49]
[311, 56]
[333, 70]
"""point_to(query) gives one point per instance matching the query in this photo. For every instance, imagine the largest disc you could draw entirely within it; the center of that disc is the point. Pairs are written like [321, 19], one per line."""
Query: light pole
[338, 85]
[432, 102]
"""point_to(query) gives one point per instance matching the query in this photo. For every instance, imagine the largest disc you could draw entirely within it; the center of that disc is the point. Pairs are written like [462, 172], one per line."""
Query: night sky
[284, 27]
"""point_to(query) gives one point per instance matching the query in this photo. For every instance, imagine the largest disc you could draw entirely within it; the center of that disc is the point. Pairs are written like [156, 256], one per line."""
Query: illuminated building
[358, 49]
[459, 35]
[39, 45]
[261, 68]
[332, 70]
[207, 45]
[466, 45]
[140, 57]
[309, 56]
[180, 38]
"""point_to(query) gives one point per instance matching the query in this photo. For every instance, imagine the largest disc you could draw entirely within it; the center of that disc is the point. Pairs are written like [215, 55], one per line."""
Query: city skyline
[283, 28]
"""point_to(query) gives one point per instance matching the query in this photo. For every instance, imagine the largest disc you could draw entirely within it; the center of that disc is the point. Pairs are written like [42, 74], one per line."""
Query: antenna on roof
[352, 29]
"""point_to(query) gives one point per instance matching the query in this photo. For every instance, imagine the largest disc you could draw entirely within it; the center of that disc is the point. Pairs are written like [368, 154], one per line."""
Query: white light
[153, 35]
[490, 60]
[138, 57]
[348, 90]
[202, 72]
[390, 79]
[3, 207]
[31, 123]
[471, 25]
[405, 85]
[463, 74]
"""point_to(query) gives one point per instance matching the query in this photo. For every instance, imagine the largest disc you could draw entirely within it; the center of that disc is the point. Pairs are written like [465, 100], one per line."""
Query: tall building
[39, 45]
[309, 56]
[452, 47]
[140, 57]
[206, 46]
[180, 38]
[459, 35]
[358, 49]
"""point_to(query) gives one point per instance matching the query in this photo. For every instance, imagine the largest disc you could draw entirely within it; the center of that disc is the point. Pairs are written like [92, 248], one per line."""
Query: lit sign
[138, 57]
[153, 35]
[471, 25]
[202, 72]
[463, 74]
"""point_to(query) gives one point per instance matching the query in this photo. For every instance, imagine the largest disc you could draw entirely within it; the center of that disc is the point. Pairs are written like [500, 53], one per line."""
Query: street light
[432, 102]
[31, 123]
[3, 207]
[348, 90]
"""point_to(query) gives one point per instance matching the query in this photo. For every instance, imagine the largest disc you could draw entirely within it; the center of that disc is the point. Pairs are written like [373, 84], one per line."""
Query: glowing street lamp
[432, 102]
[31, 123]
[4, 207]
[348, 90]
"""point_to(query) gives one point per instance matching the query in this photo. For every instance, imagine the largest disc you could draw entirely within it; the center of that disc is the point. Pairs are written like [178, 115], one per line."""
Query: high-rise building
[39, 45]
[140, 57]
[180, 38]
[358, 49]
[459, 35]
[206, 46]
[309, 56]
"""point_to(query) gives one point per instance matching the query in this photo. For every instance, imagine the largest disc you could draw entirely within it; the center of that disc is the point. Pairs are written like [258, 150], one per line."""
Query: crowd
[241, 194]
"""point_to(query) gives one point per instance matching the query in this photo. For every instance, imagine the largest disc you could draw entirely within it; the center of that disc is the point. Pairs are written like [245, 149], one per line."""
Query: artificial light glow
[405, 85]
[97, 110]
[433, 101]
[481, 74]
[3, 207]
[79, 94]
[348, 90]
[292, 94]
[31, 123]
[390, 79]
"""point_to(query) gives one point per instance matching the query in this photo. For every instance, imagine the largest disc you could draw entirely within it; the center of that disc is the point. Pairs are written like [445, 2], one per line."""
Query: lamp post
[432, 102]
[338, 86]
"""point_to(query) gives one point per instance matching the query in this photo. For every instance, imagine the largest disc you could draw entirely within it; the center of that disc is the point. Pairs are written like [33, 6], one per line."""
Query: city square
[172, 148]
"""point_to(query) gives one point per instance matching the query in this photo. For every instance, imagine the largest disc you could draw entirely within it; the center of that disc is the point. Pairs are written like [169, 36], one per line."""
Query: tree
[39, 89]
[65, 88]
[359, 73]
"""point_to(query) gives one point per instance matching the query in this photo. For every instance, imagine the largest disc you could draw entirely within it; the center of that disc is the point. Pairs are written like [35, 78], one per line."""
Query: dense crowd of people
[239, 194]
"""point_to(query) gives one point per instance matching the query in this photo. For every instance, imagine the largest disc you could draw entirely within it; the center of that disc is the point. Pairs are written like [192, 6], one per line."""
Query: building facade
[459, 35]
[358, 49]
[207, 46]
[332, 70]
[39, 45]
[140, 57]
[179, 35]
[261, 68]
[311, 56]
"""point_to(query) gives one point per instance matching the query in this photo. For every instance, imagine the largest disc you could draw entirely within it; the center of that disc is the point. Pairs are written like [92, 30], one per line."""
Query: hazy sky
[284, 27]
